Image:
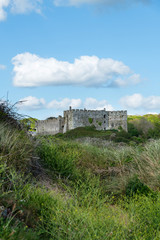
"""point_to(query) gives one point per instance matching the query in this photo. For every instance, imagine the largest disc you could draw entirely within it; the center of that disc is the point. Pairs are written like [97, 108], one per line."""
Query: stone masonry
[73, 118]
[50, 126]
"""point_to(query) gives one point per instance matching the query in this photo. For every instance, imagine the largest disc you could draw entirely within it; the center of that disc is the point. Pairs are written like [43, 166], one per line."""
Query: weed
[90, 120]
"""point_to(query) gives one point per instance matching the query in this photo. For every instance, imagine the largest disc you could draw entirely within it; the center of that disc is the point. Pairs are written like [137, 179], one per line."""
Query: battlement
[103, 110]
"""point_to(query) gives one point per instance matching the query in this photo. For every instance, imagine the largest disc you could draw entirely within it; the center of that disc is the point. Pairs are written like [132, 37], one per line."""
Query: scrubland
[54, 187]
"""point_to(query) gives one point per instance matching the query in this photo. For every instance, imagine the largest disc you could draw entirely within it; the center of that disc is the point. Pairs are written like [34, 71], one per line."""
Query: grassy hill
[56, 188]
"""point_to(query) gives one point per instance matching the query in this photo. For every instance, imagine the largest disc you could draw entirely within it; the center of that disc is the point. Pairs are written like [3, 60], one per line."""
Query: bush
[8, 115]
[133, 131]
[135, 186]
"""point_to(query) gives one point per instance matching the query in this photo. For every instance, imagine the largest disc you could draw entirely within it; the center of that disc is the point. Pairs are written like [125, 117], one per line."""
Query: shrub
[8, 115]
[135, 186]
[133, 131]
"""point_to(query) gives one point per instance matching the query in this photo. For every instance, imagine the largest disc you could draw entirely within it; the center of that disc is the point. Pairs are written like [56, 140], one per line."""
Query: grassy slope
[86, 132]
[91, 192]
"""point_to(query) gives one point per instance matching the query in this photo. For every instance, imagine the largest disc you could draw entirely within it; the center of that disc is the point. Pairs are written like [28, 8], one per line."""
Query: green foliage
[16, 147]
[59, 157]
[154, 118]
[97, 193]
[8, 115]
[145, 215]
[147, 126]
[29, 123]
[133, 131]
[135, 186]
[100, 124]
[90, 120]
[89, 131]
[139, 130]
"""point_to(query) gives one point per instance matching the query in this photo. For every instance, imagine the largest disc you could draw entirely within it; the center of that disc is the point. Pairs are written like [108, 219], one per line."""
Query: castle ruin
[73, 118]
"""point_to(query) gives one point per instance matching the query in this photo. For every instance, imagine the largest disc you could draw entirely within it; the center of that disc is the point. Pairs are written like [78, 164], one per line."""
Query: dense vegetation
[57, 188]
[29, 123]
[140, 129]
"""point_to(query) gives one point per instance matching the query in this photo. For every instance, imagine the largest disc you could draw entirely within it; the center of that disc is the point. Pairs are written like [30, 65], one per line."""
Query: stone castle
[73, 118]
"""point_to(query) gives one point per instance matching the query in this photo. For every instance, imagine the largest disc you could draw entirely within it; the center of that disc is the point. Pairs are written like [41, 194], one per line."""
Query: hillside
[52, 187]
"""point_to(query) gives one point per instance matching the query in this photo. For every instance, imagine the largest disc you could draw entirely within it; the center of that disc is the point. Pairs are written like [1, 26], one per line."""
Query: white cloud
[136, 101]
[2, 67]
[92, 103]
[132, 80]
[31, 70]
[31, 103]
[3, 4]
[99, 2]
[24, 6]
[65, 103]
[19, 6]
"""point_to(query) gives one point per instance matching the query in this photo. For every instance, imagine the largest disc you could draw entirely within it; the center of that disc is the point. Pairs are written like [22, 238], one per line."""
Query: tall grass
[60, 157]
[116, 166]
[101, 193]
[16, 148]
[147, 164]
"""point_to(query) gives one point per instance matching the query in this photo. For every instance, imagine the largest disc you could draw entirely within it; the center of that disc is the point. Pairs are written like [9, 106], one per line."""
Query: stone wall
[73, 118]
[101, 119]
[68, 120]
[50, 126]
[117, 119]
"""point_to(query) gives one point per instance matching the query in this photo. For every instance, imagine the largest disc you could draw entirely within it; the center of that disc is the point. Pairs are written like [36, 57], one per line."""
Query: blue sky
[84, 53]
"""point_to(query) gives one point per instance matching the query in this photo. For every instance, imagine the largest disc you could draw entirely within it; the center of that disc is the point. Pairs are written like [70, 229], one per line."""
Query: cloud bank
[98, 2]
[32, 103]
[31, 70]
[19, 7]
[137, 101]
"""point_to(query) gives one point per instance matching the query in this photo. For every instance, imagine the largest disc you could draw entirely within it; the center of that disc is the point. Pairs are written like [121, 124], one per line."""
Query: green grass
[79, 191]
[16, 148]
[85, 132]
